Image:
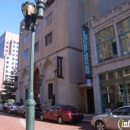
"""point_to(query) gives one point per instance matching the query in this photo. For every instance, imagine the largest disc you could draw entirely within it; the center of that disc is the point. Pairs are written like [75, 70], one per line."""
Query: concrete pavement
[20, 123]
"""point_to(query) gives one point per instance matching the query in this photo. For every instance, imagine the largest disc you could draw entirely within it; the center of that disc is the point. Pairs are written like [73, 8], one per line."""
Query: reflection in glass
[100, 55]
[120, 27]
[126, 25]
[102, 35]
[112, 32]
[106, 44]
[122, 40]
[107, 50]
[119, 74]
[128, 41]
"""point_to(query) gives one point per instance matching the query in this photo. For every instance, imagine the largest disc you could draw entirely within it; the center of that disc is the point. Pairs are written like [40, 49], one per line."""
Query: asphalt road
[12, 122]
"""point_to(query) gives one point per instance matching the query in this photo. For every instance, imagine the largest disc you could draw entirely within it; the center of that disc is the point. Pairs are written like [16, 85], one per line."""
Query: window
[37, 29]
[48, 39]
[48, 20]
[26, 38]
[6, 50]
[13, 50]
[49, 3]
[26, 54]
[6, 71]
[12, 58]
[50, 91]
[106, 44]
[124, 35]
[13, 46]
[7, 66]
[7, 62]
[12, 63]
[6, 46]
[36, 48]
[122, 111]
[7, 57]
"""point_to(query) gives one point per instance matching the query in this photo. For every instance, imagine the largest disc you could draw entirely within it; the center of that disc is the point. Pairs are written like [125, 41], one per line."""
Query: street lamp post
[31, 14]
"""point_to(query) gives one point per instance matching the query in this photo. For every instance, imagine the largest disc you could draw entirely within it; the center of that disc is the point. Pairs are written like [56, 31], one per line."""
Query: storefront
[115, 89]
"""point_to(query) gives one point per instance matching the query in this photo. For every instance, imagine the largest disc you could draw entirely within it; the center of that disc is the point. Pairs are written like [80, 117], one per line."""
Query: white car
[118, 119]
[1, 106]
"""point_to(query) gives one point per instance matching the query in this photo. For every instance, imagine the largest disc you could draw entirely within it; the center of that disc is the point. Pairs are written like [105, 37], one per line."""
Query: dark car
[1, 106]
[61, 114]
[13, 107]
[22, 110]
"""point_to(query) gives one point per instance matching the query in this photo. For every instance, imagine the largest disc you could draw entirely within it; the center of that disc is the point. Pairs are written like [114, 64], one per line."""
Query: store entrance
[90, 100]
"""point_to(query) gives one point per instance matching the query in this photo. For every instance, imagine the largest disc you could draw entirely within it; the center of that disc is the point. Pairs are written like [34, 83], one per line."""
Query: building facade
[110, 49]
[58, 56]
[9, 43]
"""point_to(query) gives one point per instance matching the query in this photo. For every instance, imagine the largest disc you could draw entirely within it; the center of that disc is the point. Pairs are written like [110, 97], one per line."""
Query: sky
[11, 15]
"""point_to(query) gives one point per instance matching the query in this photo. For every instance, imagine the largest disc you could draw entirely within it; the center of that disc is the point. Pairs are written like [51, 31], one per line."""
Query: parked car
[112, 120]
[22, 110]
[6, 104]
[61, 114]
[13, 107]
[1, 106]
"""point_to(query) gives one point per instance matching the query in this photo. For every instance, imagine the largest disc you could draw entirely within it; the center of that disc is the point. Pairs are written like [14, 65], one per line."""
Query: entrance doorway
[90, 99]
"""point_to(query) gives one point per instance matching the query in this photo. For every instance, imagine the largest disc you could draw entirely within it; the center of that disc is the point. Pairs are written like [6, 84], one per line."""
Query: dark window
[69, 108]
[50, 91]
[26, 94]
[48, 39]
[122, 111]
[36, 48]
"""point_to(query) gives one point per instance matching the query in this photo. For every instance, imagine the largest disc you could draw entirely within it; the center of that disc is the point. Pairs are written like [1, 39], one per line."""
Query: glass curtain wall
[106, 44]
[115, 89]
[124, 35]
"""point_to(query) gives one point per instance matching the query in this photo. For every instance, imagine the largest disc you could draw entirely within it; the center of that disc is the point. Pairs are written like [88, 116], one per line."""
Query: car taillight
[80, 113]
[69, 114]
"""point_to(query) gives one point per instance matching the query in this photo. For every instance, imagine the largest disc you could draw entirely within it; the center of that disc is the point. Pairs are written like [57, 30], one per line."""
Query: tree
[9, 91]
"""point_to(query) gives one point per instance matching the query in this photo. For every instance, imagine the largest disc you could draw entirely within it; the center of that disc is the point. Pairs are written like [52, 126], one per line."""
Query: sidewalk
[88, 117]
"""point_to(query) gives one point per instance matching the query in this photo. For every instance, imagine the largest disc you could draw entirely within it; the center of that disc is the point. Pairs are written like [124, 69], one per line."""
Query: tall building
[96, 8]
[58, 56]
[9, 43]
[64, 55]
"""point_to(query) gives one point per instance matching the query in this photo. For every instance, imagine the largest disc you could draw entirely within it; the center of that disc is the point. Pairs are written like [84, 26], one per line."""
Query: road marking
[22, 121]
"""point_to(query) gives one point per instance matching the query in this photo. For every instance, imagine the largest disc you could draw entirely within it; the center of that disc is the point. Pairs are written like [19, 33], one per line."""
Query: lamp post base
[30, 114]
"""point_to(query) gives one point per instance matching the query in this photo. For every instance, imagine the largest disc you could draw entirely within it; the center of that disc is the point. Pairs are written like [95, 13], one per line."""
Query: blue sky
[11, 15]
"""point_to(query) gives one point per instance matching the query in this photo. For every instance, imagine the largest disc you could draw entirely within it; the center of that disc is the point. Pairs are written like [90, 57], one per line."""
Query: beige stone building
[59, 34]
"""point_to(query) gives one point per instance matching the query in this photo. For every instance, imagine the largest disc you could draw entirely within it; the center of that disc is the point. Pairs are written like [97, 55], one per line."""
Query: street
[12, 122]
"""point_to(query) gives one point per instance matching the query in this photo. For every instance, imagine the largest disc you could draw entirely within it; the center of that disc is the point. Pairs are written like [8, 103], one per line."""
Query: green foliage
[9, 91]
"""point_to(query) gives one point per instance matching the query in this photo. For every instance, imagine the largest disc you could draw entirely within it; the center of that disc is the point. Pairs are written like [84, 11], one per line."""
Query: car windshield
[16, 104]
[69, 108]
[1, 104]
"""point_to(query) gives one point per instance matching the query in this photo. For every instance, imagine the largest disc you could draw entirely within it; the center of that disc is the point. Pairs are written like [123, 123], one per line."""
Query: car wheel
[41, 117]
[25, 115]
[100, 125]
[60, 120]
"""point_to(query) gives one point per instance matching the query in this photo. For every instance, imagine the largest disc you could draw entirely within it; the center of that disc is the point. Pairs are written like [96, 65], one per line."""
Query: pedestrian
[5, 106]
